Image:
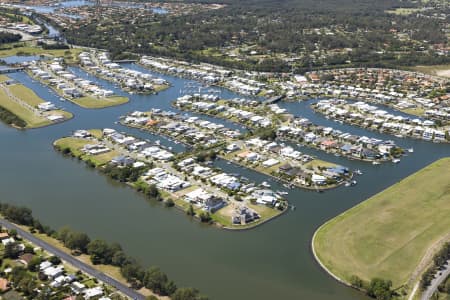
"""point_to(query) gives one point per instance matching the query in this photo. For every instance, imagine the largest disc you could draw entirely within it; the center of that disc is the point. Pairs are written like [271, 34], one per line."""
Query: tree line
[10, 118]
[8, 37]
[102, 252]
[378, 288]
[276, 27]
[439, 260]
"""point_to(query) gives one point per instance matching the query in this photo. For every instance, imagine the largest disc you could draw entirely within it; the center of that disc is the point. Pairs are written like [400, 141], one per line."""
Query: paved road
[436, 282]
[73, 261]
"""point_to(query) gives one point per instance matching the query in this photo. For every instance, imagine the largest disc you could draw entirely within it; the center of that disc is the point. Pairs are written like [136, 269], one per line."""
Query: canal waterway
[273, 261]
[46, 9]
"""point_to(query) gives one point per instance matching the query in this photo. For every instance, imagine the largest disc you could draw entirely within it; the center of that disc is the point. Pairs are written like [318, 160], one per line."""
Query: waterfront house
[244, 215]
[95, 149]
[81, 134]
[318, 179]
[309, 137]
[270, 162]
[232, 147]
[46, 106]
[122, 161]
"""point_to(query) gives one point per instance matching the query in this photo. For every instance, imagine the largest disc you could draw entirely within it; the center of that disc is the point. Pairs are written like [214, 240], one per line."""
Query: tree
[119, 258]
[100, 252]
[20, 215]
[187, 294]
[34, 263]
[169, 202]
[77, 241]
[155, 280]
[18, 273]
[64, 233]
[205, 217]
[380, 289]
[170, 287]
[12, 250]
[55, 260]
[356, 281]
[42, 276]
[152, 191]
[190, 211]
[29, 249]
[132, 271]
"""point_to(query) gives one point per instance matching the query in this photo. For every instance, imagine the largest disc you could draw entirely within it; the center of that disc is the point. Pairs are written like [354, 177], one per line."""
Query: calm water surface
[273, 261]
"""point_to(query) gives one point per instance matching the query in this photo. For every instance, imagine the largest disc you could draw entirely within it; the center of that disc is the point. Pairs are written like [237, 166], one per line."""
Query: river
[273, 261]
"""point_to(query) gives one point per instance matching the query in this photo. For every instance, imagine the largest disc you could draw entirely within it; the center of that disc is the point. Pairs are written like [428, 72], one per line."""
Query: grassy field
[440, 70]
[70, 55]
[75, 144]
[387, 235]
[93, 102]
[27, 95]
[316, 163]
[414, 111]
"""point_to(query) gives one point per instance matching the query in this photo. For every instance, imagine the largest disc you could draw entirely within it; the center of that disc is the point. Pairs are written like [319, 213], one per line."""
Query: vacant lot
[93, 102]
[387, 235]
[76, 144]
[26, 95]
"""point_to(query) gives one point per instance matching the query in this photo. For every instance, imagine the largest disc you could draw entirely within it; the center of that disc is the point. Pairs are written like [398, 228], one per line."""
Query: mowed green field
[387, 235]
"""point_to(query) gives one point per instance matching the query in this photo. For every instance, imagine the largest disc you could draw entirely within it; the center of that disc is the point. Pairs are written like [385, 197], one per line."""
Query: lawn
[102, 159]
[93, 102]
[388, 235]
[316, 163]
[96, 133]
